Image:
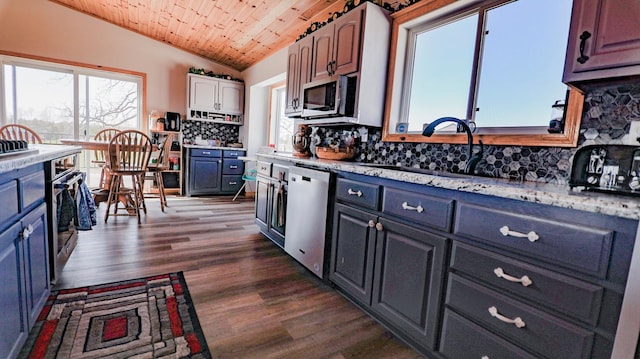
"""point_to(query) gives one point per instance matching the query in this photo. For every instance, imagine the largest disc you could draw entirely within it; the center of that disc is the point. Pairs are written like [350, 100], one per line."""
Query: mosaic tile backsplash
[608, 113]
[191, 130]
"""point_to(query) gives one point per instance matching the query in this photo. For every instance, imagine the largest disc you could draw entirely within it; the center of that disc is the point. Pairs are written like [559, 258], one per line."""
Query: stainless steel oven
[63, 181]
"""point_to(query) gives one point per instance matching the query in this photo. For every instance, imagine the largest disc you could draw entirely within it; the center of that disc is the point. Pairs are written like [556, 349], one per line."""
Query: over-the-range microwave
[334, 97]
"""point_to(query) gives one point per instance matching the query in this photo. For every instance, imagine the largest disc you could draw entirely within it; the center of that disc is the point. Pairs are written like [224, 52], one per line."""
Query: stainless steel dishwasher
[306, 217]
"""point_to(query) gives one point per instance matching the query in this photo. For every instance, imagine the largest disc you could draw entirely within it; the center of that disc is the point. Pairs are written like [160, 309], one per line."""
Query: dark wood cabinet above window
[604, 41]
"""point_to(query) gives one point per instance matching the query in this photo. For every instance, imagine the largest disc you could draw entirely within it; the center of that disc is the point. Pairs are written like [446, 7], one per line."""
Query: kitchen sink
[416, 170]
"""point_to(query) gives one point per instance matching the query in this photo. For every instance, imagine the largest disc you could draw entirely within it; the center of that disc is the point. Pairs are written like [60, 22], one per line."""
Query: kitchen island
[589, 224]
[25, 242]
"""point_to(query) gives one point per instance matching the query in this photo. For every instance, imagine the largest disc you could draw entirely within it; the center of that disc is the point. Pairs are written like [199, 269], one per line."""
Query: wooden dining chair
[19, 132]
[127, 155]
[100, 156]
[162, 164]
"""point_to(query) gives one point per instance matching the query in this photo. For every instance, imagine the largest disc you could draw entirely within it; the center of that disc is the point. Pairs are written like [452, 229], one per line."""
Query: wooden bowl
[336, 154]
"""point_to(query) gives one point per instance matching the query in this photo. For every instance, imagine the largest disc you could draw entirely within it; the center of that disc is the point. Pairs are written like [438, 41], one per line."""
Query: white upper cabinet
[214, 96]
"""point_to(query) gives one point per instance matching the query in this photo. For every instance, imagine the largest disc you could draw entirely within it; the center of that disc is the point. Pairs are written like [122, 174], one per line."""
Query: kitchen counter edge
[44, 153]
[543, 193]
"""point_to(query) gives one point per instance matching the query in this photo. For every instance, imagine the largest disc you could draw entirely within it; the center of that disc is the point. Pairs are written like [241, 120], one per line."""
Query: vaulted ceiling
[236, 33]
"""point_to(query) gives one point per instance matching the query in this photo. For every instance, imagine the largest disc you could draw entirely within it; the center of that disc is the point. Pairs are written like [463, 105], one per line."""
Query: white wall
[258, 79]
[42, 28]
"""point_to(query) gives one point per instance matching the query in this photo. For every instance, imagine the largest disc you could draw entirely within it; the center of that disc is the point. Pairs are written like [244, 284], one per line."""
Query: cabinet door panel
[9, 199]
[293, 80]
[205, 175]
[322, 53]
[231, 98]
[203, 94]
[353, 252]
[614, 42]
[408, 279]
[13, 331]
[262, 202]
[346, 43]
[36, 260]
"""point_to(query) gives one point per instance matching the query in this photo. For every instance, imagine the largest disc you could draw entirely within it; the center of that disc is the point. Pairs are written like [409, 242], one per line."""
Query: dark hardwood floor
[252, 300]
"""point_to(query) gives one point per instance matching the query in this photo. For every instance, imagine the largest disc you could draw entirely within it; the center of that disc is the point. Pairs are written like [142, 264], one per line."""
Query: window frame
[275, 91]
[77, 69]
[430, 14]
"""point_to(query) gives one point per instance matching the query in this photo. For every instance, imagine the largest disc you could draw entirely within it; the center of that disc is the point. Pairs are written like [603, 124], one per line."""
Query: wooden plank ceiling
[235, 33]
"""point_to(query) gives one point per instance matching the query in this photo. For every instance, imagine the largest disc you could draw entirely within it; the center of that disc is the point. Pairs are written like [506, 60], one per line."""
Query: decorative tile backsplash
[608, 113]
[192, 130]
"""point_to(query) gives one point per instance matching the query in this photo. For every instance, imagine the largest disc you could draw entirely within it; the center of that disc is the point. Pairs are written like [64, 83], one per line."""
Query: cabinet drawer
[420, 208]
[564, 294]
[542, 333]
[199, 152]
[577, 247]
[232, 167]
[9, 200]
[462, 339]
[231, 183]
[361, 194]
[280, 172]
[32, 188]
[264, 168]
[232, 153]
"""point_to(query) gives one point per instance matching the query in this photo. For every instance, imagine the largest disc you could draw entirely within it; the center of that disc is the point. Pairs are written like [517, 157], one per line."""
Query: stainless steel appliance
[307, 213]
[271, 200]
[607, 168]
[63, 180]
[329, 98]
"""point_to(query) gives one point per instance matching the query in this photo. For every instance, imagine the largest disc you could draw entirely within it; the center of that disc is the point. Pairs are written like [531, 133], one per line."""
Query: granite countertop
[206, 147]
[544, 193]
[35, 154]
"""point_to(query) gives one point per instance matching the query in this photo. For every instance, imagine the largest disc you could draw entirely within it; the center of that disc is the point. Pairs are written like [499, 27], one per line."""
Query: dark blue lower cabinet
[212, 172]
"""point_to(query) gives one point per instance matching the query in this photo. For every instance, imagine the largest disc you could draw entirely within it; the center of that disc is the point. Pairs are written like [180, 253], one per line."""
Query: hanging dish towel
[86, 208]
[66, 210]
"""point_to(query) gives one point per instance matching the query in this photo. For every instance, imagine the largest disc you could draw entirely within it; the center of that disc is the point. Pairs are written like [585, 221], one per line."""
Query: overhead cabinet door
[203, 94]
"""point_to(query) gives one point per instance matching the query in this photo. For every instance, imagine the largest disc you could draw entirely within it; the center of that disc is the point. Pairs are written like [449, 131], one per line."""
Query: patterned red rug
[144, 318]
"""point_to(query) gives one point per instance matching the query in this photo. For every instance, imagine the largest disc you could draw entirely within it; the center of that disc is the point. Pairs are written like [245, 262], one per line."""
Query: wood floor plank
[252, 299]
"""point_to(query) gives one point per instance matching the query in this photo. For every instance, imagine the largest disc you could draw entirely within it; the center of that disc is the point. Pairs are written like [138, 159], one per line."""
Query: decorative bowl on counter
[337, 154]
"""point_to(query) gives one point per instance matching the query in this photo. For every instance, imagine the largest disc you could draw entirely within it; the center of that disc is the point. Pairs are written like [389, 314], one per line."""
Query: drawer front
[232, 167]
[32, 188]
[571, 246]
[541, 332]
[199, 152]
[420, 208]
[264, 168]
[232, 153]
[361, 194]
[564, 294]
[9, 199]
[462, 339]
[231, 183]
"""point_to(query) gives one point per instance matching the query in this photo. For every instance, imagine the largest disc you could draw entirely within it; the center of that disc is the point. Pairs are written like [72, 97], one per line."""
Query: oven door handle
[73, 180]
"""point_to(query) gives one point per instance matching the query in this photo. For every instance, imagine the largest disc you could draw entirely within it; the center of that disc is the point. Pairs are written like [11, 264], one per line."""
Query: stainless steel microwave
[329, 98]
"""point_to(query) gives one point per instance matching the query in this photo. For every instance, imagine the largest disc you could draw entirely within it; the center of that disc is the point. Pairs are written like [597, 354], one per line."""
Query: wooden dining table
[99, 194]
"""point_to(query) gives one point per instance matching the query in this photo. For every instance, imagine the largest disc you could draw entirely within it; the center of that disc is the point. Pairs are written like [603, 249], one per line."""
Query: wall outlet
[634, 134]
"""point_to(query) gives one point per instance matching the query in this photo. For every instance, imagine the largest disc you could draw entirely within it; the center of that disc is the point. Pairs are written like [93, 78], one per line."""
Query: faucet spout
[473, 159]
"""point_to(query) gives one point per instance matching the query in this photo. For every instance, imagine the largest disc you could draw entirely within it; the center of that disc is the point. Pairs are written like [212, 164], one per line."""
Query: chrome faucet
[473, 159]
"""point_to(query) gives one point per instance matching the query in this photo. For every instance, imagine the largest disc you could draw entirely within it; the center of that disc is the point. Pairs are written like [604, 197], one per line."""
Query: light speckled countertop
[544, 193]
[36, 154]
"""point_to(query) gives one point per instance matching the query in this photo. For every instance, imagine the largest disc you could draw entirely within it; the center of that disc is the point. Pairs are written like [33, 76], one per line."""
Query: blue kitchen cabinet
[214, 171]
[24, 256]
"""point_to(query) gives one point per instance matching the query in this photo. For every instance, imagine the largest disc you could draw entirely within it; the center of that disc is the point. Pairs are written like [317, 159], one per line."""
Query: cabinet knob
[372, 223]
[379, 226]
[26, 232]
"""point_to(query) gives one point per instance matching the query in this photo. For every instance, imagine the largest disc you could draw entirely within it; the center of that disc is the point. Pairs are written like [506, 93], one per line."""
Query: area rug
[142, 318]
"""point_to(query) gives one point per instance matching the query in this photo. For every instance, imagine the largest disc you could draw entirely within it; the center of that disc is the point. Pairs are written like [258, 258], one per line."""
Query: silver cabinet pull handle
[531, 236]
[407, 207]
[524, 280]
[372, 223]
[354, 193]
[517, 321]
